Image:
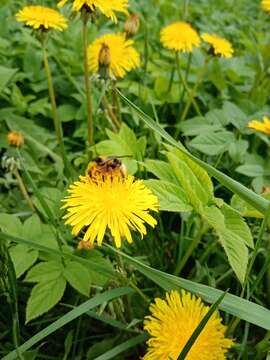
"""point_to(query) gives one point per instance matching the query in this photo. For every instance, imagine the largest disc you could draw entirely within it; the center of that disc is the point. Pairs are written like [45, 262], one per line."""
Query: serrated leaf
[45, 271]
[6, 75]
[78, 277]
[171, 197]
[252, 170]
[44, 296]
[161, 170]
[232, 243]
[213, 143]
[23, 257]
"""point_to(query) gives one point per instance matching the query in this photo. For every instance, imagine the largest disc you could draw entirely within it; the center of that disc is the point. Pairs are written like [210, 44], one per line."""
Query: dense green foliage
[212, 231]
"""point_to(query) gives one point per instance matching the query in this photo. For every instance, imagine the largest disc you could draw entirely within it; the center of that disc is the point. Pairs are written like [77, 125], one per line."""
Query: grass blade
[122, 347]
[232, 304]
[255, 200]
[70, 316]
[200, 328]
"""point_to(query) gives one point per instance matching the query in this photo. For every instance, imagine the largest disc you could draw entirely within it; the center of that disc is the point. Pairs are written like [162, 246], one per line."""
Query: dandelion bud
[104, 60]
[132, 25]
[15, 138]
[85, 245]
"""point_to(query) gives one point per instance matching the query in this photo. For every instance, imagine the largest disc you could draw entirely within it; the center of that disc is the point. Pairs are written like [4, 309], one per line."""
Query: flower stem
[185, 85]
[23, 189]
[116, 123]
[90, 126]
[56, 120]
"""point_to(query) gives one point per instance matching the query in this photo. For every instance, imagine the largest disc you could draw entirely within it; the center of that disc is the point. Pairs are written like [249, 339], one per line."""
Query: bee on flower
[107, 198]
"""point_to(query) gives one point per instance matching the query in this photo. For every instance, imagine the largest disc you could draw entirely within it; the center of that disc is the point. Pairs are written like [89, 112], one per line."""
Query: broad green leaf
[213, 143]
[252, 170]
[10, 224]
[32, 228]
[245, 209]
[232, 243]
[232, 304]
[67, 318]
[23, 257]
[235, 115]
[78, 277]
[45, 271]
[171, 197]
[161, 170]
[6, 75]
[198, 125]
[52, 197]
[252, 198]
[44, 296]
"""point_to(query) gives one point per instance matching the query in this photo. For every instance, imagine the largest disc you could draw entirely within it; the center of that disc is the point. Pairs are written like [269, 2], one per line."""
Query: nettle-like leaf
[233, 234]
[78, 277]
[124, 144]
[23, 257]
[49, 290]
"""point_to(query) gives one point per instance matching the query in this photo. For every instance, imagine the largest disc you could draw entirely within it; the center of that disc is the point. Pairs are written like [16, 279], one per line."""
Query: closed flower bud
[15, 138]
[104, 60]
[132, 25]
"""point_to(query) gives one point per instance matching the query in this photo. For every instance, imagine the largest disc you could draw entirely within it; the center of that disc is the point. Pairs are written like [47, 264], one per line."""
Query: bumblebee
[103, 167]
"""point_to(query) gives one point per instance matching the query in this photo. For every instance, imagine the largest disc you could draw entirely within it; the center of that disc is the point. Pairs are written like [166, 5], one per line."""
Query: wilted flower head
[114, 201]
[123, 56]
[15, 138]
[179, 36]
[132, 25]
[107, 7]
[221, 47]
[173, 321]
[40, 17]
[263, 127]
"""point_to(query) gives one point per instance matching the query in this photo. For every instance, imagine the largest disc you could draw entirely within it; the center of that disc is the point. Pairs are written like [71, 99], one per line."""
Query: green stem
[116, 123]
[23, 189]
[90, 126]
[185, 9]
[185, 86]
[56, 120]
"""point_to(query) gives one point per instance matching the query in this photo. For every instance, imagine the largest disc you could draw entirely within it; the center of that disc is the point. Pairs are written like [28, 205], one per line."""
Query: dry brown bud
[132, 25]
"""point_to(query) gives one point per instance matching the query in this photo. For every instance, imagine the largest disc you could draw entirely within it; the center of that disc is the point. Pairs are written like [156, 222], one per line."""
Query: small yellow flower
[40, 17]
[173, 321]
[107, 7]
[266, 5]
[180, 36]
[221, 47]
[263, 127]
[123, 56]
[15, 138]
[115, 202]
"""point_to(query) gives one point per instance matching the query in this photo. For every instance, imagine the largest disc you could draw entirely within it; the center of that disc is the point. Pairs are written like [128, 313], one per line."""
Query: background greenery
[232, 93]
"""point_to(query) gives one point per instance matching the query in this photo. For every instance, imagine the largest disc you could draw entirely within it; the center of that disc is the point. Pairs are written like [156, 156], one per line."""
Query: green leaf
[78, 277]
[232, 304]
[10, 224]
[32, 228]
[224, 224]
[171, 197]
[235, 115]
[44, 296]
[245, 209]
[67, 112]
[23, 258]
[6, 75]
[67, 318]
[45, 271]
[211, 143]
[252, 198]
[252, 170]
[161, 170]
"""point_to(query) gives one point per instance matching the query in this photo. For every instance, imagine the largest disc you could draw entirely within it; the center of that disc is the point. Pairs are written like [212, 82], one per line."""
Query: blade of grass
[249, 196]
[70, 316]
[122, 347]
[200, 327]
[232, 304]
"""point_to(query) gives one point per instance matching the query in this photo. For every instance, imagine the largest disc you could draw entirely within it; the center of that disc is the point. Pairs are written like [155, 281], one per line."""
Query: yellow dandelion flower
[173, 321]
[118, 203]
[40, 17]
[108, 8]
[263, 127]
[179, 36]
[266, 5]
[221, 47]
[15, 138]
[123, 56]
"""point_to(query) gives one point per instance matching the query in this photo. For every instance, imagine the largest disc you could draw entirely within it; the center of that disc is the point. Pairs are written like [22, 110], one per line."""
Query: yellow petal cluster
[173, 321]
[221, 47]
[263, 126]
[266, 5]
[15, 138]
[40, 17]
[123, 56]
[179, 36]
[119, 204]
[107, 7]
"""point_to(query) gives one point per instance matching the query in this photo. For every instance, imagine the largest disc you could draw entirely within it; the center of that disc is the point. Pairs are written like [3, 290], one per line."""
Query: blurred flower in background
[221, 47]
[263, 126]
